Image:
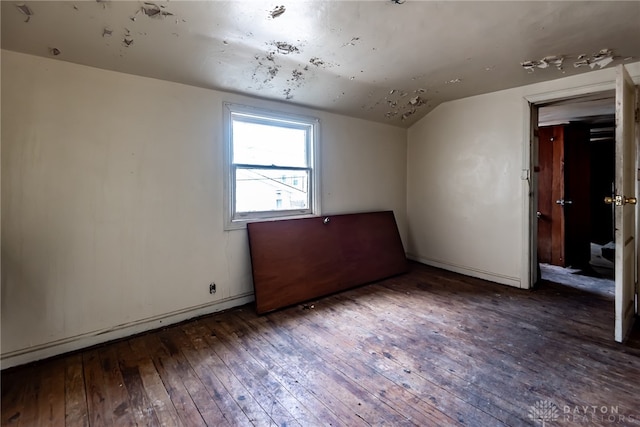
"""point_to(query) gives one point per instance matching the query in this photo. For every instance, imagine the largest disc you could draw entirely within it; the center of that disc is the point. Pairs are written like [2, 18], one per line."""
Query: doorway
[576, 171]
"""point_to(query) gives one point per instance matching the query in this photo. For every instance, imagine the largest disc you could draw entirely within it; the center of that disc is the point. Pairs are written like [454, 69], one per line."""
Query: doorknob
[563, 202]
[620, 200]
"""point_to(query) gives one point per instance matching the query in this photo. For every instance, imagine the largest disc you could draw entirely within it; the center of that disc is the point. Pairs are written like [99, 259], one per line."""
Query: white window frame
[234, 221]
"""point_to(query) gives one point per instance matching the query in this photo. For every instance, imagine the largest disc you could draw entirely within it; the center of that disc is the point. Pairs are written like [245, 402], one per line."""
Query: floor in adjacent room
[426, 348]
[597, 277]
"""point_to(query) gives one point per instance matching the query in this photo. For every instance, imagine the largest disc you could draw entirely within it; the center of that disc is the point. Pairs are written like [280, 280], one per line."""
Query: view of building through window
[267, 190]
[271, 165]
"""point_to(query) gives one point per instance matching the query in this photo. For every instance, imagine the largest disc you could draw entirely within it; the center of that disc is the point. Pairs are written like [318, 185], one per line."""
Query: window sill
[241, 224]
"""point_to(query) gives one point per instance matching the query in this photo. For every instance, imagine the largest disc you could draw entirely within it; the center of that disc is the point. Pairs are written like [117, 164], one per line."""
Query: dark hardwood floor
[428, 348]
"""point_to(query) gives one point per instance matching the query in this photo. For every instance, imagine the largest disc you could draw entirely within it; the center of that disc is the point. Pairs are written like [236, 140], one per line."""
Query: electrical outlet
[212, 288]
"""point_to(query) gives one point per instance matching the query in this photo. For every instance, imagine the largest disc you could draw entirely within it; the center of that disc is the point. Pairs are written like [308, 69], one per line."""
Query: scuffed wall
[112, 201]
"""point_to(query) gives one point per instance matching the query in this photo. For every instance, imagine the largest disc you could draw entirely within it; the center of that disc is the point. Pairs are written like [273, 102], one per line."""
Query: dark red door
[563, 195]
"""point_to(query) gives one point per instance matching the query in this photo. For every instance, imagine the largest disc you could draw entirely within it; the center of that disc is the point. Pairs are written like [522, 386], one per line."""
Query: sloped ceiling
[387, 61]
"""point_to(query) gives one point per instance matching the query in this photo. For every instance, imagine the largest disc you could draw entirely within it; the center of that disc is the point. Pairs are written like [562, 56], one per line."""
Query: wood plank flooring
[428, 348]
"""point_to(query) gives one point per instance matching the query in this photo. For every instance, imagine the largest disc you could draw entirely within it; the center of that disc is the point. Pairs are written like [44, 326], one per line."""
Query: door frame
[530, 105]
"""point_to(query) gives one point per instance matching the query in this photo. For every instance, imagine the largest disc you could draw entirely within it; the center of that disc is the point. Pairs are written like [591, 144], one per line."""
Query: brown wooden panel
[551, 223]
[545, 178]
[301, 259]
[564, 174]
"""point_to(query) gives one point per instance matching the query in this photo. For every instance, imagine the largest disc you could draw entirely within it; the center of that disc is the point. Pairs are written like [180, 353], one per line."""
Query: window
[271, 165]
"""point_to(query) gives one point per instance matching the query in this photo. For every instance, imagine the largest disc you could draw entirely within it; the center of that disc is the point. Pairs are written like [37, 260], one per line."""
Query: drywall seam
[468, 271]
[82, 341]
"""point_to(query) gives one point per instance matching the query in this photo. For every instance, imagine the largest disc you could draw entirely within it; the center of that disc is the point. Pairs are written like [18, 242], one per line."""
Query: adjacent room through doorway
[576, 171]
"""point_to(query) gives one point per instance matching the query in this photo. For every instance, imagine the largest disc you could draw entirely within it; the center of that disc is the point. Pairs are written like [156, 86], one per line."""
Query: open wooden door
[564, 210]
[551, 220]
[625, 201]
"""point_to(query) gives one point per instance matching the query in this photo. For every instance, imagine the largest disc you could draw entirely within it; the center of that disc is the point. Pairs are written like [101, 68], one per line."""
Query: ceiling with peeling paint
[388, 61]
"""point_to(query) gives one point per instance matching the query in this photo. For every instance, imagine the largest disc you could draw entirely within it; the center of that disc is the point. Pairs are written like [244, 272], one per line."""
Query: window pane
[261, 190]
[261, 144]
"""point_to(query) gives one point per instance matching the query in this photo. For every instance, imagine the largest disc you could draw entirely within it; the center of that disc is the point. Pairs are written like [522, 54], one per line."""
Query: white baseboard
[468, 271]
[77, 342]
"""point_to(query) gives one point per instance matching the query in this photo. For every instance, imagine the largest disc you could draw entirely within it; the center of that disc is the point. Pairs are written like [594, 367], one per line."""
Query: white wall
[112, 201]
[465, 162]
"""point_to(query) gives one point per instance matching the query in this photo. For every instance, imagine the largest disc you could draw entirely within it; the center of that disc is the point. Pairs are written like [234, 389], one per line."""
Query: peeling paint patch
[296, 75]
[127, 41]
[26, 10]
[272, 73]
[452, 81]
[54, 51]
[352, 42]
[417, 101]
[277, 11]
[107, 32]
[265, 73]
[555, 60]
[546, 62]
[600, 59]
[297, 78]
[320, 63]
[267, 68]
[398, 1]
[286, 48]
[408, 114]
[401, 106]
[270, 56]
[152, 10]
[316, 61]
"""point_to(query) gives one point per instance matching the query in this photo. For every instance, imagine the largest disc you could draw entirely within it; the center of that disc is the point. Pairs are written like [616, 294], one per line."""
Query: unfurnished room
[319, 213]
